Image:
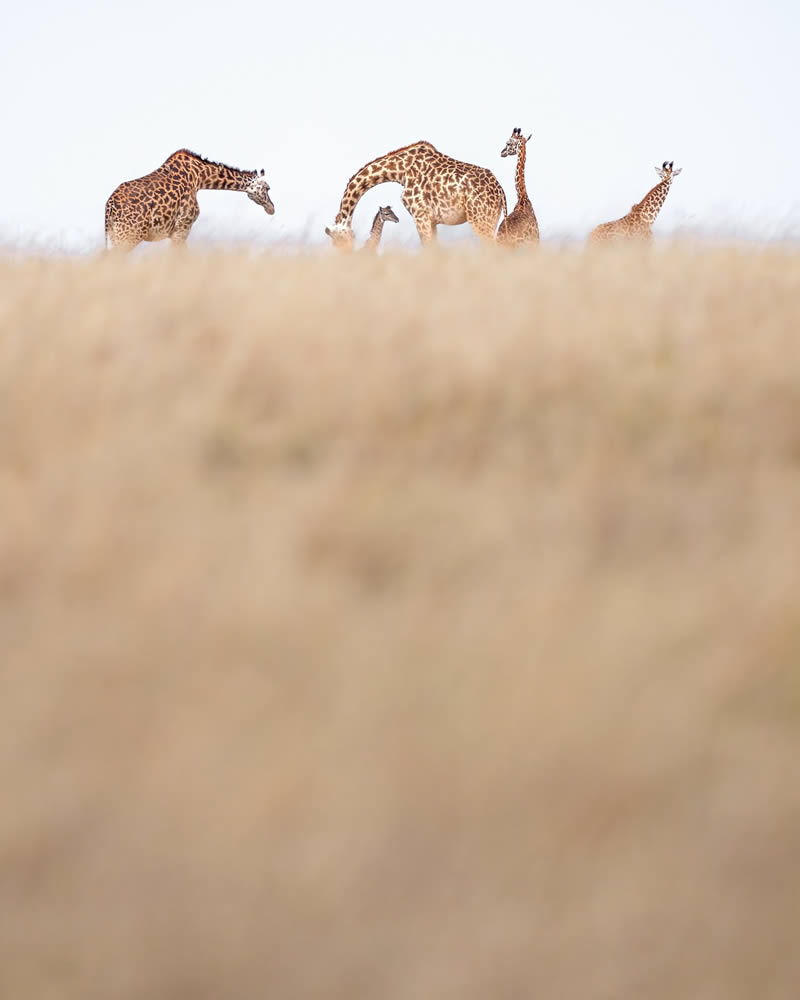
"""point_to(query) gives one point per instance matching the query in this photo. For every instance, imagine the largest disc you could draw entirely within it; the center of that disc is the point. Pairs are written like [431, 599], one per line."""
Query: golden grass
[418, 626]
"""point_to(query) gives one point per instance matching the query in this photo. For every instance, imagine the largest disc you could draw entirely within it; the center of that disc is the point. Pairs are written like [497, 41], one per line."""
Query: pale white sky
[97, 93]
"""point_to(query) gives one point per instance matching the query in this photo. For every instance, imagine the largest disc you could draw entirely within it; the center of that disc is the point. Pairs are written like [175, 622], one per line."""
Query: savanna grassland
[420, 626]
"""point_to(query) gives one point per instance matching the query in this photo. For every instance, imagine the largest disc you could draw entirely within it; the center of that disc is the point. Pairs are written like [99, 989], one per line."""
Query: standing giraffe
[163, 204]
[384, 214]
[437, 190]
[637, 224]
[521, 226]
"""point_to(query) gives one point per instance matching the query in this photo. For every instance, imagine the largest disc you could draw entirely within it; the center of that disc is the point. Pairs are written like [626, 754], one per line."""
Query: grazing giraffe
[521, 226]
[384, 214]
[437, 190]
[163, 204]
[637, 224]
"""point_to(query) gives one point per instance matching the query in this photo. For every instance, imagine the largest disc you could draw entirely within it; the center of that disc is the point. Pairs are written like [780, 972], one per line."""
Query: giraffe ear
[529, 138]
[676, 172]
[328, 232]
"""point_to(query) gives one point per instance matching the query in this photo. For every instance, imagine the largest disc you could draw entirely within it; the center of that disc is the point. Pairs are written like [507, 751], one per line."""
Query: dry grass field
[421, 626]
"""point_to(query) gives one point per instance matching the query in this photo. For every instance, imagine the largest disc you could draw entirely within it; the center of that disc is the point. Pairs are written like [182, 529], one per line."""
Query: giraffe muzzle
[269, 208]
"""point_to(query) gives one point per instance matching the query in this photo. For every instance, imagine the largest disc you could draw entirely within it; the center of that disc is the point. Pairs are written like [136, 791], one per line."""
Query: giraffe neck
[210, 176]
[391, 167]
[219, 177]
[649, 207]
[519, 176]
[375, 233]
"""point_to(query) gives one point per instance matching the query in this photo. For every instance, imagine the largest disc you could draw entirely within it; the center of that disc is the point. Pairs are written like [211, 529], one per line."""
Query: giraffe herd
[437, 190]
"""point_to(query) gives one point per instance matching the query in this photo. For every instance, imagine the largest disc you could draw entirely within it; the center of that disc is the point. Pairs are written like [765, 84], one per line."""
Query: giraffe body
[384, 214]
[520, 227]
[163, 204]
[638, 223]
[437, 190]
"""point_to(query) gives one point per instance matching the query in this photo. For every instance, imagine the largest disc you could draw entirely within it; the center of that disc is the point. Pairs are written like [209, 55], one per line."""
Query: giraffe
[384, 214]
[637, 224]
[163, 204]
[437, 190]
[521, 226]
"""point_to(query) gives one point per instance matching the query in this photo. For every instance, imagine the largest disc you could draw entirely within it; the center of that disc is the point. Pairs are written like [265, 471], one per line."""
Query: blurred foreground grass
[406, 627]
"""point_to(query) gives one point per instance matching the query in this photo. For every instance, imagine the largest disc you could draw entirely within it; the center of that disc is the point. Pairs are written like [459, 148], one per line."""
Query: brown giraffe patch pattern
[163, 204]
[384, 214]
[437, 190]
[520, 227]
[638, 223]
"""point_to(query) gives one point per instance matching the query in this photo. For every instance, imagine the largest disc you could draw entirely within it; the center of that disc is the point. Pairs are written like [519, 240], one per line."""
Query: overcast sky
[97, 93]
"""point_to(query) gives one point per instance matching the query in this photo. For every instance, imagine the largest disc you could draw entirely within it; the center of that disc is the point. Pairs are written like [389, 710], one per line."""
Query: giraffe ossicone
[665, 170]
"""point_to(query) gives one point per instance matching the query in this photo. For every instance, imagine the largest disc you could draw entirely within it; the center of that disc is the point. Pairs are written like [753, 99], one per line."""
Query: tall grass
[419, 626]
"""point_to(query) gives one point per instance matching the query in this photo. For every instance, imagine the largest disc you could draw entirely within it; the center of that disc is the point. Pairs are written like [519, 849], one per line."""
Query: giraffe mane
[210, 163]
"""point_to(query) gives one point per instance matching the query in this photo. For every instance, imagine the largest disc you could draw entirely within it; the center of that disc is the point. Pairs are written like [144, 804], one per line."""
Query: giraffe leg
[179, 236]
[484, 219]
[124, 238]
[485, 231]
[425, 229]
[504, 234]
[185, 218]
[484, 208]
[123, 246]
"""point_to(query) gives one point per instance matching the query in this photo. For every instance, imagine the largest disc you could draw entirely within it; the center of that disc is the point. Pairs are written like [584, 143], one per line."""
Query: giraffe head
[515, 143]
[665, 171]
[342, 235]
[387, 214]
[258, 191]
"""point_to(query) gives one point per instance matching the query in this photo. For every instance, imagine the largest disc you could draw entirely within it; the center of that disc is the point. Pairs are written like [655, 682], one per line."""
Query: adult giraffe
[521, 226]
[638, 223]
[163, 204]
[437, 190]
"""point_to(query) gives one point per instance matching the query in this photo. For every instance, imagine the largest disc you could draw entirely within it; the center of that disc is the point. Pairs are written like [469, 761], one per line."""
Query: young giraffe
[637, 224]
[437, 190]
[163, 204]
[384, 214]
[521, 226]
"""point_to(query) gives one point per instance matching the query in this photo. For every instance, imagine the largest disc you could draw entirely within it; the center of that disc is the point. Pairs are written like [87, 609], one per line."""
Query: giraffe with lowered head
[384, 214]
[521, 226]
[437, 190]
[637, 224]
[163, 204]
